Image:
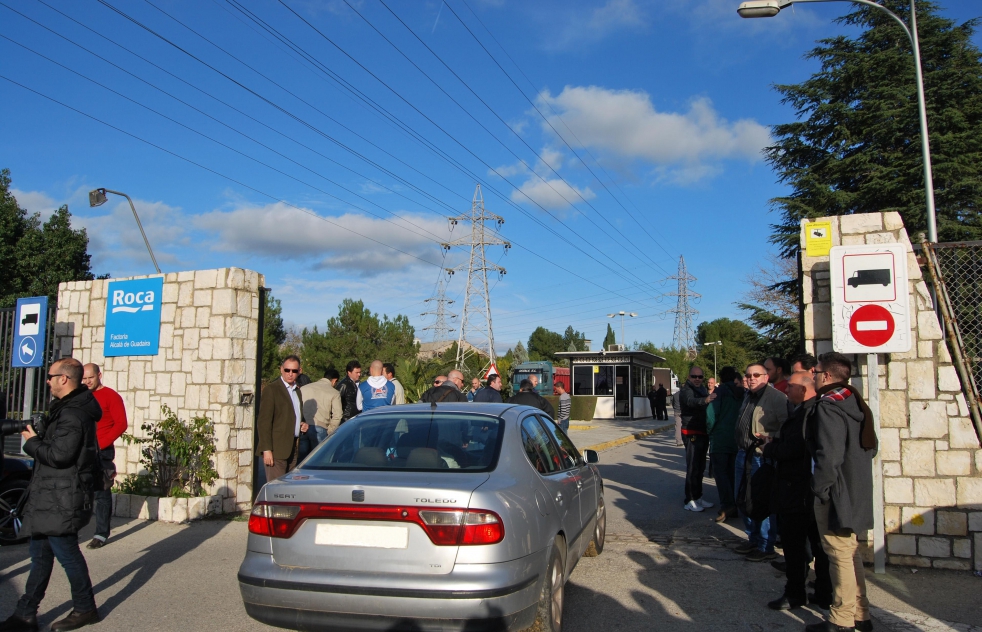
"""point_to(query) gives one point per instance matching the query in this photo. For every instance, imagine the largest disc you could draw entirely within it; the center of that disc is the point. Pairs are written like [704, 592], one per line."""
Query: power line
[684, 335]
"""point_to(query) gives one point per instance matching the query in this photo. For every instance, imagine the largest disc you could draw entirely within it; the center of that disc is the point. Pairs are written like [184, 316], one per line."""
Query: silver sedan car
[454, 516]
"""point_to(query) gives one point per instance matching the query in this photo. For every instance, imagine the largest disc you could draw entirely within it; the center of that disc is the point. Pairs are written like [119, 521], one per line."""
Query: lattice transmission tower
[475, 320]
[438, 307]
[684, 334]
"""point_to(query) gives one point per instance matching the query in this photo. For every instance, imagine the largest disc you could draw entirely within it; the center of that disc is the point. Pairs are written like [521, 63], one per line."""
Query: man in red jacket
[110, 427]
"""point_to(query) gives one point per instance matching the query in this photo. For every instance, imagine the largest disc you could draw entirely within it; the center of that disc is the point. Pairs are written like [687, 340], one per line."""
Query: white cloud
[582, 27]
[551, 194]
[626, 125]
[282, 232]
[35, 202]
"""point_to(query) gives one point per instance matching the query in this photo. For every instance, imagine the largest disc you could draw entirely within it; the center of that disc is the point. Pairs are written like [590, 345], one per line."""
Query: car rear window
[423, 441]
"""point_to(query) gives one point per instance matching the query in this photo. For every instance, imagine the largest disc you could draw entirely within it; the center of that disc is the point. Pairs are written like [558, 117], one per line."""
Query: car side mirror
[592, 456]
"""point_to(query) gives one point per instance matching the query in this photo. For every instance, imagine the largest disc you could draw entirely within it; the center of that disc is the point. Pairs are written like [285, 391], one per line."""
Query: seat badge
[358, 495]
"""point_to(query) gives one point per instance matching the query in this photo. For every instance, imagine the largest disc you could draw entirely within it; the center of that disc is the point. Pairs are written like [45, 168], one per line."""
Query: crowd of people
[296, 413]
[791, 446]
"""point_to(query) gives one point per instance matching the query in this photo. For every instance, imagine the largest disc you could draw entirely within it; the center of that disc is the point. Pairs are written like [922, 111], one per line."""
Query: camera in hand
[17, 426]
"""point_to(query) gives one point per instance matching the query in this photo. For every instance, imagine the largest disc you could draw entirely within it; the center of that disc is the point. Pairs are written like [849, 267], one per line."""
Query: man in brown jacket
[281, 421]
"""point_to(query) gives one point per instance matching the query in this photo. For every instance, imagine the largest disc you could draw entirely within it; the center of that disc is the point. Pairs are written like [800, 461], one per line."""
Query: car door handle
[579, 484]
[559, 497]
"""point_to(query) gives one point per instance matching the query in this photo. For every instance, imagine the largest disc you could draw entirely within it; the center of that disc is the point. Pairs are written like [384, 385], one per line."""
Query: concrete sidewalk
[604, 434]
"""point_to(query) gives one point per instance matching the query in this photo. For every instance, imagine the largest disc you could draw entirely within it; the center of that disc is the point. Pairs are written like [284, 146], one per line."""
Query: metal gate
[12, 380]
[956, 272]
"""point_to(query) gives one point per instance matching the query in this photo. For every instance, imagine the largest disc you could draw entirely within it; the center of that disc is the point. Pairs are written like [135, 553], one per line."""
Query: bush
[176, 456]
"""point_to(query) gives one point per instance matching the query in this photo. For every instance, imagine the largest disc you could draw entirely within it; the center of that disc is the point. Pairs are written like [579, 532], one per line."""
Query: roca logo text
[132, 302]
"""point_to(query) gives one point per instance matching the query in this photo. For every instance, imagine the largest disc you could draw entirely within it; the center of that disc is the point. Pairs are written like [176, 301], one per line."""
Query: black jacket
[349, 398]
[443, 393]
[692, 401]
[533, 399]
[843, 469]
[66, 467]
[661, 396]
[793, 492]
[488, 395]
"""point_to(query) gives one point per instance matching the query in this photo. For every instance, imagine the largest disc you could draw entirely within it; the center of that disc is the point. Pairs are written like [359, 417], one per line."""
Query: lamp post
[714, 345]
[622, 314]
[770, 8]
[98, 198]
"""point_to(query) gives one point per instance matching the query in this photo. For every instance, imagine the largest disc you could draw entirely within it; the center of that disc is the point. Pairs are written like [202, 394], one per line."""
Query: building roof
[428, 350]
[609, 356]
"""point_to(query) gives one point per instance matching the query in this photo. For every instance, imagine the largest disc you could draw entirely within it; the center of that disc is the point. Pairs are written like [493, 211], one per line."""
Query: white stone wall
[931, 459]
[208, 334]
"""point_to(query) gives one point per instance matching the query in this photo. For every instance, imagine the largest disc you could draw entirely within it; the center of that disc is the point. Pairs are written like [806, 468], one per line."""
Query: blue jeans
[44, 551]
[564, 424]
[763, 534]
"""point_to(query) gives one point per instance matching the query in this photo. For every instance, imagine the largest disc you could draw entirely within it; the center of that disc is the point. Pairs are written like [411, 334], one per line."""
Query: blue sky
[329, 159]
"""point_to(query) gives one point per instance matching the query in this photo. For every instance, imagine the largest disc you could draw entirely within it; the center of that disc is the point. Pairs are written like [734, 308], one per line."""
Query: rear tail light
[445, 527]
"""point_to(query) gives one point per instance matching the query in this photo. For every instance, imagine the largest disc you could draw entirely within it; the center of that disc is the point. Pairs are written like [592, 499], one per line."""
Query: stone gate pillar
[206, 364]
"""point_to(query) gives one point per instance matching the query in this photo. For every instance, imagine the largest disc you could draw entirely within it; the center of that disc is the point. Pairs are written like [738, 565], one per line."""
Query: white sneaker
[705, 504]
[692, 506]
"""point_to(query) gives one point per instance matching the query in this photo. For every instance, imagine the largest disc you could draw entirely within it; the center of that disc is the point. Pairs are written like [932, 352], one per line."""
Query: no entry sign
[869, 299]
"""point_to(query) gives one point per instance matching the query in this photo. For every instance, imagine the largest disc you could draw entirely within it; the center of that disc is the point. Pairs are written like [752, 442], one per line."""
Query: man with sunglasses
[66, 468]
[763, 412]
[694, 398]
[281, 421]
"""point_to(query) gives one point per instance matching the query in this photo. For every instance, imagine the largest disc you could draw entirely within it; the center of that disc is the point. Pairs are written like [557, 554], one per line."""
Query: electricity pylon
[684, 334]
[475, 321]
[440, 327]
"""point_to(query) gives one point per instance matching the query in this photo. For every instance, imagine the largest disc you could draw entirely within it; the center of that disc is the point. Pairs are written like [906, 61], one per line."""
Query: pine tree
[855, 147]
[610, 338]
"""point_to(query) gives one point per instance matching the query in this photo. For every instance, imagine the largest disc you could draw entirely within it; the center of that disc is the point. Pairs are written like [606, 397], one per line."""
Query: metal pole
[873, 399]
[911, 31]
[140, 225]
[28, 398]
[622, 330]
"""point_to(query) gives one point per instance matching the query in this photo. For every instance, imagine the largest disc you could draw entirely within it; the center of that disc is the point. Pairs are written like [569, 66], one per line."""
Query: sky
[325, 144]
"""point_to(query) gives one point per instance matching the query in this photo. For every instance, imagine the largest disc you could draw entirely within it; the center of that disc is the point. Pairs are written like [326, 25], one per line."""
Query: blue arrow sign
[29, 332]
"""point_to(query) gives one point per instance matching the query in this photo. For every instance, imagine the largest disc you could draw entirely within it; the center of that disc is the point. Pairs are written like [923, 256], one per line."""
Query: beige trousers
[849, 602]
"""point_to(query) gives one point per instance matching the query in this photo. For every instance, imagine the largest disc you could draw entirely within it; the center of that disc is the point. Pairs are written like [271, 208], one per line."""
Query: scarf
[839, 392]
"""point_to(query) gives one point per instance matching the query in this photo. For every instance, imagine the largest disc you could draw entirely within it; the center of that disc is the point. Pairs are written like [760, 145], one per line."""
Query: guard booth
[618, 381]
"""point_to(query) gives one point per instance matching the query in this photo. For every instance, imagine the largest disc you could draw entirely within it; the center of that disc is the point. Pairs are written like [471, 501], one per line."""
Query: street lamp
[622, 314]
[770, 8]
[98, 198]
[714, 345]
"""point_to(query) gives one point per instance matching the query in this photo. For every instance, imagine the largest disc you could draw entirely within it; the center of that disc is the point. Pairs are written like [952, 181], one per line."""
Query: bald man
[376, 391]
[110, 427]
[449, 391]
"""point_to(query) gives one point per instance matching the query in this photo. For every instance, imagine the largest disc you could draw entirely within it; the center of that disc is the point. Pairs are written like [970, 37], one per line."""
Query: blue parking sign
[133, 317]
[29, 331]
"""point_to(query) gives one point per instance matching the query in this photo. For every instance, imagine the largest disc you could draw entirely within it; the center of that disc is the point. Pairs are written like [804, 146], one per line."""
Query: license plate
[374, 537]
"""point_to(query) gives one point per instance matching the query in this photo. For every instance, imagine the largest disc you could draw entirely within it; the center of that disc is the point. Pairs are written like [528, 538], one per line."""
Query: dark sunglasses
[695, 377]
[754, 375]
[55, 375]
[291, 370]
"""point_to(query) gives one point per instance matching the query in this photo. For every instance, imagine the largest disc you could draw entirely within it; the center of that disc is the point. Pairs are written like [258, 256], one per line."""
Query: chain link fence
[956, 272]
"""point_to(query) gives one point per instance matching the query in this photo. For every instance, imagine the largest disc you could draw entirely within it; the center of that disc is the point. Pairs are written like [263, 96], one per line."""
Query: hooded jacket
[843, 468]
[66, 467]
[721, 419]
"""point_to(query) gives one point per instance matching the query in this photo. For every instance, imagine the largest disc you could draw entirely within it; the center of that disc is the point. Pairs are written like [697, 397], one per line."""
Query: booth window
[582, 380]
[603, 381]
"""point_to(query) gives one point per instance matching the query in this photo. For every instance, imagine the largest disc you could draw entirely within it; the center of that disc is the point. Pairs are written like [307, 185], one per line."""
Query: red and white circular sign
[872, 325]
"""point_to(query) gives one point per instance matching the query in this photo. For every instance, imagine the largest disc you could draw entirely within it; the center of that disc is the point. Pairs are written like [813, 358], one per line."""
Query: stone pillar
[207, 359]
[932, 464]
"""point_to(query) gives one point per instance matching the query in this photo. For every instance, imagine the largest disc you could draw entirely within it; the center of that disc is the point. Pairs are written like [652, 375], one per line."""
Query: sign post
[29, 339]
[871, 315]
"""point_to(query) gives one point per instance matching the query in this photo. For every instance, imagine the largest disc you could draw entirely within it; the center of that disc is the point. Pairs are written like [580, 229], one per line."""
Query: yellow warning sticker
[818, 239]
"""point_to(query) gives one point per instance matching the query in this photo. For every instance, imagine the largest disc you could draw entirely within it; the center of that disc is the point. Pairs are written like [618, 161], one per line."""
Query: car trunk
[374, 535]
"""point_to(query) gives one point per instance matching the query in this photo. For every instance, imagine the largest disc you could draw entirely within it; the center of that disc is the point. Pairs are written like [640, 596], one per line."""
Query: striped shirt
[565, 403]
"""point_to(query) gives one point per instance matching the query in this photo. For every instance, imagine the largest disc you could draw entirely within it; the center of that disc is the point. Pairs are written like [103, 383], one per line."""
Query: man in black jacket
[348, 388]
[526, 396]
[694, 398]
[793, 502]
[842, 441]
[491, 393]
[448, 391]
[66, 467]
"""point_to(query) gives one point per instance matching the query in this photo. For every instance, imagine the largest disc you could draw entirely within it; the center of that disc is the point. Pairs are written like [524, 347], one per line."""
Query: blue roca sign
[133, 317]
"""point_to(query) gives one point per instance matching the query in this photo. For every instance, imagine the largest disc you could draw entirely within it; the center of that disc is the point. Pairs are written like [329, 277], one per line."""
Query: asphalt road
[663, 567]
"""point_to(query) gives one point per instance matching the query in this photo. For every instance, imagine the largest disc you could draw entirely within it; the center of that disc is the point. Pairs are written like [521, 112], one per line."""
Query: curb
[613, 443]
